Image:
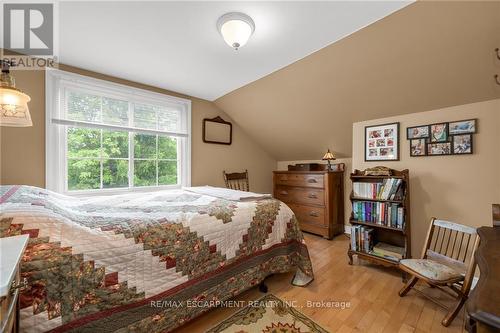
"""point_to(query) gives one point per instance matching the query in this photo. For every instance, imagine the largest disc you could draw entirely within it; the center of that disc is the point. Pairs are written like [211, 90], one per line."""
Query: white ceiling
[176, 46]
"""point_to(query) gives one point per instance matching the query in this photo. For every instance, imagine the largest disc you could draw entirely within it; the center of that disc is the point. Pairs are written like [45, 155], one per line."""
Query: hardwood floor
[371, 290]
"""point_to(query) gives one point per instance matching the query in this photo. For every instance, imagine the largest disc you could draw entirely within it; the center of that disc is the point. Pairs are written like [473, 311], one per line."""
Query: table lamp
[329, 156]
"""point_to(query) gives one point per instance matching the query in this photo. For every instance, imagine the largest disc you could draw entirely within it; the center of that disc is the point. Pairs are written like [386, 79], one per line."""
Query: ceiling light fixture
[235, 28]
[13, 102]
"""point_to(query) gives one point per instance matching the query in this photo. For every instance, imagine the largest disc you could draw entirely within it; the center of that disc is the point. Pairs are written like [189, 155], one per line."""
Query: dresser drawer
[300, 195]
[315, 229]
[300, 179]
[309, 214]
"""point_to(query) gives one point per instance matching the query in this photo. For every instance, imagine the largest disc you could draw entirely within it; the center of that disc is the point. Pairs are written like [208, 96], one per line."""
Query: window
[107, 137]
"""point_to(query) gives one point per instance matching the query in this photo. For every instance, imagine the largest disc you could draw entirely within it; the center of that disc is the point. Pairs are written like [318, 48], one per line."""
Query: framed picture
[462, 144]
[382, 142]
[217, 130]
[462, 127]
[417, 132]
[439, 148]
[418, 147]
[439, 132]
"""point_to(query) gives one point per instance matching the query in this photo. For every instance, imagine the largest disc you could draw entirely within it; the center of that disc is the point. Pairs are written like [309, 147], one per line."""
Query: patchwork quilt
[143, 262]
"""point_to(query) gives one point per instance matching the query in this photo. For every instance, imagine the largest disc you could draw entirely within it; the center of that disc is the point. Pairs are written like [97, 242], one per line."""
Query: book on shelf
[388, 251]
[361, 238]
[382, 213]
[388, 189]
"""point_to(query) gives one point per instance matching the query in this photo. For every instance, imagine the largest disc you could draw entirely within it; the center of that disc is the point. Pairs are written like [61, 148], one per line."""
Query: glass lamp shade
[329, 156]
[14, 108]
[236, 29]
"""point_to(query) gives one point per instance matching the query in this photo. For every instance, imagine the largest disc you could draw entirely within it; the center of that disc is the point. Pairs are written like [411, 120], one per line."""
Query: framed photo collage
[448, 138]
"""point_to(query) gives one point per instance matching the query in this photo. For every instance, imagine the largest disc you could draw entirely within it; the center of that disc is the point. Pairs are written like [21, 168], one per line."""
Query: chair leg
[453, 312]
[408, 286]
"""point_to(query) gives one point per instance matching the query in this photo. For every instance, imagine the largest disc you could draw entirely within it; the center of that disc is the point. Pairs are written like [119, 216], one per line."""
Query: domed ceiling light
[235, 28]
[13, 102]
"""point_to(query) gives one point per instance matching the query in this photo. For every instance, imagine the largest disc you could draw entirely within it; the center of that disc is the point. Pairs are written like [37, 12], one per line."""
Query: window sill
[118, 191]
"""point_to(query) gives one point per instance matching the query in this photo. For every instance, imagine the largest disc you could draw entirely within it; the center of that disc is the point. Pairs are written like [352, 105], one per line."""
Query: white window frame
[56, 82]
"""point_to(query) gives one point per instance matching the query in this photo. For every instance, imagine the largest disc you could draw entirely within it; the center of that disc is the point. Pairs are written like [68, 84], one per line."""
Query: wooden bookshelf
[392, 235]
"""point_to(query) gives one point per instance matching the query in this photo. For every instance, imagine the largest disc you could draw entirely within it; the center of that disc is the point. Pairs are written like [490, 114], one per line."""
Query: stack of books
[389, 189]
[388, 251]
[383, 213]
[361, 239]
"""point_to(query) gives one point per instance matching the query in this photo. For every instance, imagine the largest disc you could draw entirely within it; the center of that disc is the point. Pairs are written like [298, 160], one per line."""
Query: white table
[11, 252]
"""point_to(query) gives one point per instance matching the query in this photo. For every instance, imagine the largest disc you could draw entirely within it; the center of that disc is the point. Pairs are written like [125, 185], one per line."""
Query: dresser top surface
[307, 172]
[11, 251]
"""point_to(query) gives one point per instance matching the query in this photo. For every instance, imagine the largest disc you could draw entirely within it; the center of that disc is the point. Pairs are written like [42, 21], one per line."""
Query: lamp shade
[14, 108]
[329, 156]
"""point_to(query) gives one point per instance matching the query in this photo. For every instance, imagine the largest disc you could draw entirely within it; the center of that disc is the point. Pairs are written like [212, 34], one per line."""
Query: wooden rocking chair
[237, 180]
[447, 261]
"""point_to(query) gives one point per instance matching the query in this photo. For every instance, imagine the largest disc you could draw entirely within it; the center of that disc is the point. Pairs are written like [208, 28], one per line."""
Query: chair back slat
[442, 240]
[448, 242]
[437, 230]
[466, 247]
[237, 180]
[454, 242]
[459, 245]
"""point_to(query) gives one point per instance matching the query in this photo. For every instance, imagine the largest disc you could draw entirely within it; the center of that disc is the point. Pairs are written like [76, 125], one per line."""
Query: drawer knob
[284, 192]
[314, 214]
[19, 285]
[313, 196]
[312, 180]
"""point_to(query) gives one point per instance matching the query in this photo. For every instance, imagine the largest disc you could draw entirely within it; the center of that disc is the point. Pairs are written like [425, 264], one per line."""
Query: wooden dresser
[316, 198]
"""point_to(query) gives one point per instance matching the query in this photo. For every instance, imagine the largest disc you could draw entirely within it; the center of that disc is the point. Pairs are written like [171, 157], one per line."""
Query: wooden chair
[447, 261]
[237, 180]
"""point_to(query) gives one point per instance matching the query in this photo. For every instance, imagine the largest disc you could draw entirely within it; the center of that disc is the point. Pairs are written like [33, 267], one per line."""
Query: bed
[145, 262]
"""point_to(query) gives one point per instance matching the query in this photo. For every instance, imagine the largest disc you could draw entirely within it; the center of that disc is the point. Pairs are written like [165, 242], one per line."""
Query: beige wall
[22, 149]
[22, 158]
[283, 165]
[456, 188]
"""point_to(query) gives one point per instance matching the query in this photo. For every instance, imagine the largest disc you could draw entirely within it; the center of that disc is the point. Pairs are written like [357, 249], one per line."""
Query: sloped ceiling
[426, 56]
[175, 45]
